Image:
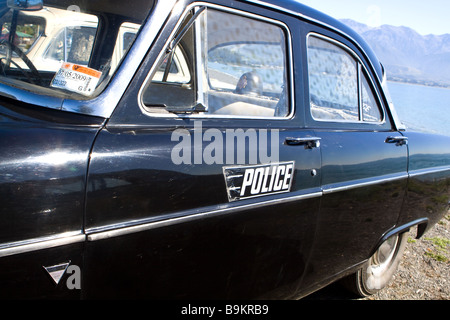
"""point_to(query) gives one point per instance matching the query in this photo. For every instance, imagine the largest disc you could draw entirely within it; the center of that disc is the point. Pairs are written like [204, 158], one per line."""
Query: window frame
[361, 71]
[290, 96]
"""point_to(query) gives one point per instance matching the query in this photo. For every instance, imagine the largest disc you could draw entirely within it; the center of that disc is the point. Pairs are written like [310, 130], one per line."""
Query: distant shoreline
[419, 82]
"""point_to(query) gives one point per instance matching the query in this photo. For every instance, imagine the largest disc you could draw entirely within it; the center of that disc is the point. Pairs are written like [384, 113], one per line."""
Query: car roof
[298, 9]
[136, 9]
[292, 7]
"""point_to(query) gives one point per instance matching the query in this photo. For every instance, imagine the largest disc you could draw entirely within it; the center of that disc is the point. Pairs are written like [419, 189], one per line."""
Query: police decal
[258, 180]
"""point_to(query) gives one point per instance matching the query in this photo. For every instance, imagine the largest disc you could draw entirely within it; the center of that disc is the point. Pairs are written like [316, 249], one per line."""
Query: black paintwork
[43, 167]
[64, 172]
[44, 159]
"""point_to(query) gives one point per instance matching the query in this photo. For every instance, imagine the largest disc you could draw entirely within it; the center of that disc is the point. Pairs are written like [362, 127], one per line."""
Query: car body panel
[428, 186]
[43, 162]
[364, 185]
[44, 154]
[92, 182]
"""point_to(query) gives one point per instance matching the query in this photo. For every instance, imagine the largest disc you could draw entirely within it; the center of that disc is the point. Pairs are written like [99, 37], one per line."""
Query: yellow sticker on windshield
[76, 78]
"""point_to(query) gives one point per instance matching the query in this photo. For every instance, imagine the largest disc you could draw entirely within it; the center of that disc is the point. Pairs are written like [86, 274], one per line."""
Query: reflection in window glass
[370, 109]
[333, 82]
[128, 39]
[177, 71]
[236, 59]
[61, 49]
[28, 30]
[238, 66]
[246, 66]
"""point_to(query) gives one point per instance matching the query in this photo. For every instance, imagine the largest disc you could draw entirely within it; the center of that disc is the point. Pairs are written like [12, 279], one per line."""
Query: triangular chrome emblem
[57, 271]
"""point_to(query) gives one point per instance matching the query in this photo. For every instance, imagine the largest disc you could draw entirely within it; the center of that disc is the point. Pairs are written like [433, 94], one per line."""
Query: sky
[424, 16]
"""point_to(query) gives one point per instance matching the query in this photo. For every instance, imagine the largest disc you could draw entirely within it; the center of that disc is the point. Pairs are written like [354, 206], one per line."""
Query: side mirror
[26, 5]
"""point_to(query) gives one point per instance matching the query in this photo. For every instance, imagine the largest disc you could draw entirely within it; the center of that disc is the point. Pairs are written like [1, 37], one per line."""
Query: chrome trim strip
[421, 172]
[115, 230]
[397, 122]
[17, 247]
[119, 229]
[130, 227]
[290, 65]
[360, 183]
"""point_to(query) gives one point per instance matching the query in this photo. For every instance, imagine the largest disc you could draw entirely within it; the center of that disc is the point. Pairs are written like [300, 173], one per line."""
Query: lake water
[422, 108]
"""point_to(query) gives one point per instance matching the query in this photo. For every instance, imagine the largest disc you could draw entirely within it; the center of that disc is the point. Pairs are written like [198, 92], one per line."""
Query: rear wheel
[377, 272]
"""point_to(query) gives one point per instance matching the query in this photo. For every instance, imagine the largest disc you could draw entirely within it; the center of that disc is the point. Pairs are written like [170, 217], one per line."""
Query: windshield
[68, 48]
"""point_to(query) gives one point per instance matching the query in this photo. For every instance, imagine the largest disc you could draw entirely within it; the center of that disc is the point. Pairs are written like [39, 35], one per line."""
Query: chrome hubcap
[384, 255]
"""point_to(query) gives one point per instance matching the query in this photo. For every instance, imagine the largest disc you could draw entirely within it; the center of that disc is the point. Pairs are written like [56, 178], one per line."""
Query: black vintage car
[190, 150]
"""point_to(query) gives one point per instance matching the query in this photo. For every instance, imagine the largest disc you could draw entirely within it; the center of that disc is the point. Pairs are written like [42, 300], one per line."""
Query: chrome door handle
[309, 142]
[398, 140]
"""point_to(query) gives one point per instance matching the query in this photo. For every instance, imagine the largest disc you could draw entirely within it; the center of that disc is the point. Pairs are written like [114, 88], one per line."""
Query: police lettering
[268, 179]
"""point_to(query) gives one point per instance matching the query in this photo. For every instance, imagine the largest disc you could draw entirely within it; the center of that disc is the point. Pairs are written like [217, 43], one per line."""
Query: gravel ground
[423, 273]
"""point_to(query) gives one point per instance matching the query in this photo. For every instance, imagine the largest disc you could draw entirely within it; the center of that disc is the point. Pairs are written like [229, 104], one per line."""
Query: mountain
[407, 55]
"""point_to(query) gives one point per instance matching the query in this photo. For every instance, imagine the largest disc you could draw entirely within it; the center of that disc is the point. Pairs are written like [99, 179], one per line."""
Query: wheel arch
[421, 224]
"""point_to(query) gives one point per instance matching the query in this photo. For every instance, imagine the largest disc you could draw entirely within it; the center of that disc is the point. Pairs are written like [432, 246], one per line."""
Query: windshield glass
[69, 48]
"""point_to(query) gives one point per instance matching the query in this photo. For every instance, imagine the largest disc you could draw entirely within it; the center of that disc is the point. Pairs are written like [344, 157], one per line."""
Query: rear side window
[338, 86]
[223, 63]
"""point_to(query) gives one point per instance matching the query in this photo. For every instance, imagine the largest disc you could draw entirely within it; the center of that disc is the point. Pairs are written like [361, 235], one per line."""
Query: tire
[378, 271]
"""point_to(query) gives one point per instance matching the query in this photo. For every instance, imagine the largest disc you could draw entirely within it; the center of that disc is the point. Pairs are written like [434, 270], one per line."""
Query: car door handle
[309, 142]
[398, 140]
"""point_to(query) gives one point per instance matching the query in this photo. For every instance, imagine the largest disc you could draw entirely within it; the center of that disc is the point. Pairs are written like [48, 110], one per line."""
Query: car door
[196, 190]
[364, 158]
[44, 160]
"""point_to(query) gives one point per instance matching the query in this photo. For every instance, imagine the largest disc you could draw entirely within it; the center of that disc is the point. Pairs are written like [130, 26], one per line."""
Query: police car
[225, 150]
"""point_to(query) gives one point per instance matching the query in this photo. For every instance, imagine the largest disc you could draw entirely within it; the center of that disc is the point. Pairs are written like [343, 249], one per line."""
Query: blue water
[422, 108]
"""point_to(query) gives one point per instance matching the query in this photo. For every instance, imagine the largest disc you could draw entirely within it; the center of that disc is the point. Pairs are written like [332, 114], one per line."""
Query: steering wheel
[8, 60]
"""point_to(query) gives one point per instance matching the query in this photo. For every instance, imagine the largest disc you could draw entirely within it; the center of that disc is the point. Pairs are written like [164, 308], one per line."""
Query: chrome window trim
[397, 122]
[18, 247]
[290, 66]
[104, 104]
[311, 19]
[361, 71]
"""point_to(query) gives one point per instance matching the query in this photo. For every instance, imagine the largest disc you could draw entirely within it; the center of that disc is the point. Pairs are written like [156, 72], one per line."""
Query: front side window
[222, 63]
[338, 86]
[67, 51]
